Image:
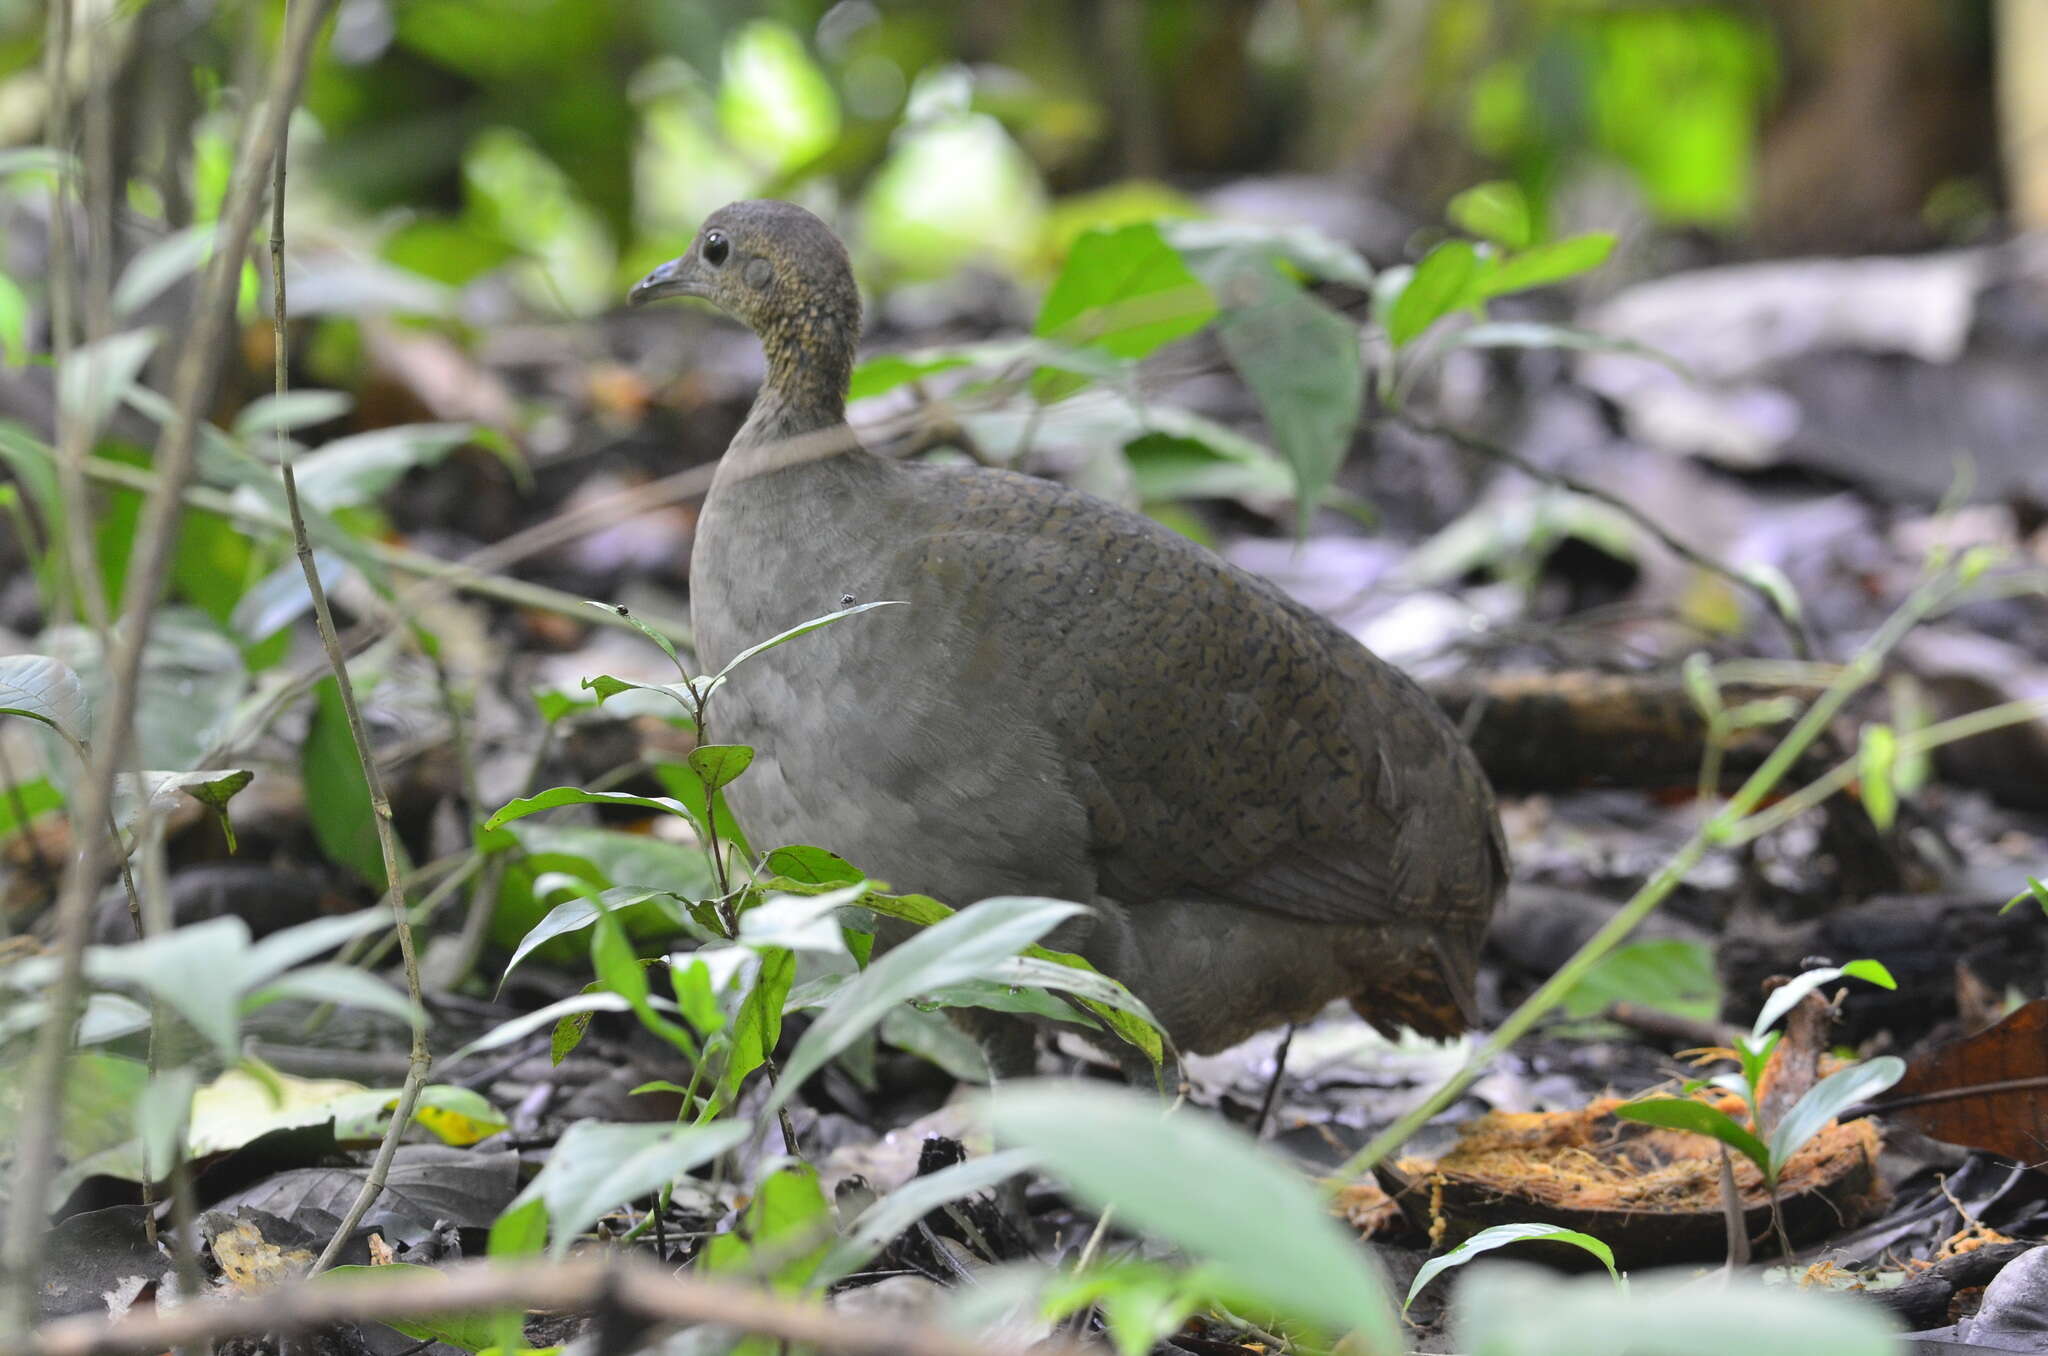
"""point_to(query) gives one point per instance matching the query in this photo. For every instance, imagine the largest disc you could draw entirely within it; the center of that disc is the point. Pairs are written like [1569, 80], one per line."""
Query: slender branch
[380, 804]
[634, 1289]
[198, 366]
[1794, 626]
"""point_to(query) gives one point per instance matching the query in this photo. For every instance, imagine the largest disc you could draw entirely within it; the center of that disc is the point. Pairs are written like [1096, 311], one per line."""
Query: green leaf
[2036, 890]
[621, 971]
[199, 970]
[1499, 1236]
[596, 1167]
[1786, 996]
[785, 1235]
[470, 1331]
[573, 916]
[98, 375]
[1537, 334]
[1437, 287]
[1125, 291]
[211, 787]
[292, 410]
[1546, 264]
[887, 371]
[1303, 247]
[518, 1028]
[1301, 360]
[1669, 976]
[557, 796]
[1252, 1215]
[619, 611]
[41, 796]
[606, 686]
[757, 1027]
[356, 469]
[800, 629]
[343, 984]
[1877, 758]
[46, 691]
[161, 265]
[812, 866]
[719, 765]
[1497, 211]
[337, 797]
[1826, 1100]
[1683, 1113]
[960, 947]
[14, 316]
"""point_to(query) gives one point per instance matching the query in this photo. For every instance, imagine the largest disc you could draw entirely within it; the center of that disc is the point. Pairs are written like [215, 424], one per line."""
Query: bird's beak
[676, 278]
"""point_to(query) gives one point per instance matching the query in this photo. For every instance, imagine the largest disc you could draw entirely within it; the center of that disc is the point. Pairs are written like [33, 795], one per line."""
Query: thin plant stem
[380, 804]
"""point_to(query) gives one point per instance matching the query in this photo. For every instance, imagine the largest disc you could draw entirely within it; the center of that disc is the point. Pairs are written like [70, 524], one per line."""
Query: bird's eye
[716, 247]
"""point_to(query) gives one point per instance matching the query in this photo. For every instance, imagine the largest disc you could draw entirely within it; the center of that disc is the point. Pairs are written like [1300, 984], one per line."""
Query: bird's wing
[1222, 739]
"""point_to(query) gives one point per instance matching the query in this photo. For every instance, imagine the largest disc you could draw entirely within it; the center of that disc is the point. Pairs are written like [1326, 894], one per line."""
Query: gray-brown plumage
[1077, 702]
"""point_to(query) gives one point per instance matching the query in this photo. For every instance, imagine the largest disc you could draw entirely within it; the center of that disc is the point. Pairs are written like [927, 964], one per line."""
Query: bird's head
[777, 269]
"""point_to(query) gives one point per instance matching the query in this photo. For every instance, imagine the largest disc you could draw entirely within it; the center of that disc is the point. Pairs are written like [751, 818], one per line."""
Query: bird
[1076, 702]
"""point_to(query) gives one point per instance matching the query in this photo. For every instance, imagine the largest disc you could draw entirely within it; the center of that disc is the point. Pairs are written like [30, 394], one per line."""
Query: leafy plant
[1771, 1147]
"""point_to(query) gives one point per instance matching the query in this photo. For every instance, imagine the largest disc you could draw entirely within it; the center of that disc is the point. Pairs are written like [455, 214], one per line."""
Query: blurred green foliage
[577, 143]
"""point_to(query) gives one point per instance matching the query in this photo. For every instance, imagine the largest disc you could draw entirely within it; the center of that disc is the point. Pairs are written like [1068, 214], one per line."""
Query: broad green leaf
[293, 946]
[161, 265]
[1668, 976]
[572, 916]
[98, 375]
[292, 410]
[558, 796]
[1497, 210]
[1439, 285]
[198, 969]
[623, 972]
[1538, 334]
[1499, 1236]
[956, 948]
[719, 765]
[343, 984]
[1301, 360]
[784, 1236]
[757, 1026]
[812, 866]
[1683, 1113]
[1254, 1216]
[161, 1114]
[1826, 1100]
[44, 690]
[356, 469]
[337, 797]
[211, 787]
[1787, 995]
[606, 686]
[1125, 291]
[1546, 264]
[595, 1168]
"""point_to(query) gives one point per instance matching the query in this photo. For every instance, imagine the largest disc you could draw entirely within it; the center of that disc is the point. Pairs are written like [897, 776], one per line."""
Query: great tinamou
[1076, 702]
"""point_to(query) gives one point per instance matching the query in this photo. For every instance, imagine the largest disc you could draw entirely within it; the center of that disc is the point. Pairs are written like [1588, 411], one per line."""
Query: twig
[1273, 1084]
[380, 804]
[198, 366]
[640, 1289]
[1794, 626]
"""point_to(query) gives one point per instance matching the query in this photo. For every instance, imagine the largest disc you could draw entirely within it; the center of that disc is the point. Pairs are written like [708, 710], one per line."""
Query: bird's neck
[800, 414]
